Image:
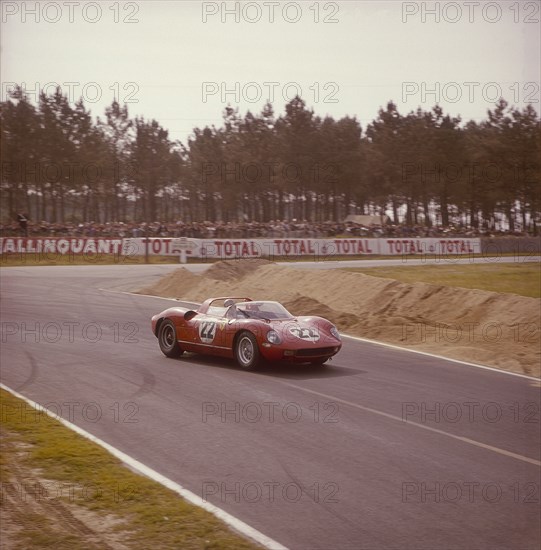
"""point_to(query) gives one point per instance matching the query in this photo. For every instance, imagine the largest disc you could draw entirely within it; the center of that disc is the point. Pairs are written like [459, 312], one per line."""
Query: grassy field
[36, 259]
[39, 454]
[31, 259]
[40, 259]
[516, 278]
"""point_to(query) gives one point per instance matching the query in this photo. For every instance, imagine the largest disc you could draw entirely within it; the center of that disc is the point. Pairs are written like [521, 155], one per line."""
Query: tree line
[424, 167]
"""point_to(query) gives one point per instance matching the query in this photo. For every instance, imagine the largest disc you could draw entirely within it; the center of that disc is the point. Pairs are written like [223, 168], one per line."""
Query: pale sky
[173, 59]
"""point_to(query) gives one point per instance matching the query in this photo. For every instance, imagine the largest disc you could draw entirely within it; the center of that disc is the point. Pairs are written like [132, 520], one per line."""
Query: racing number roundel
[207, 331]
[305, 333]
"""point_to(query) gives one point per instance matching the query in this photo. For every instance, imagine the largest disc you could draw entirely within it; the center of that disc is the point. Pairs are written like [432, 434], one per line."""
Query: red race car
[246, 330]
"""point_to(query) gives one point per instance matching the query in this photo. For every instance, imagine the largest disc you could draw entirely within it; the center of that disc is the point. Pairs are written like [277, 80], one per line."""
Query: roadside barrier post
[183, 248]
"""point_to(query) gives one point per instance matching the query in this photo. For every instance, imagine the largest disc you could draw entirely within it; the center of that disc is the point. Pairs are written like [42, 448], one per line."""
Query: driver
[253, 310]
[232, 311]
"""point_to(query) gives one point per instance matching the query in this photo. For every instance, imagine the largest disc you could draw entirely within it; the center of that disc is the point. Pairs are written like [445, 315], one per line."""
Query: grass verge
[515, 278]
[60, 490]
[42, 259]
[39, 259]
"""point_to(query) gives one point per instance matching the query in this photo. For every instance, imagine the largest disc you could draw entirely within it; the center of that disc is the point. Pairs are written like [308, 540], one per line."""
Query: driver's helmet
[229, 302]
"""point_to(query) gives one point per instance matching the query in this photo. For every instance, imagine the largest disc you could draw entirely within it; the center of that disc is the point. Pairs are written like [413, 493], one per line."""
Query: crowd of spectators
[240, 230]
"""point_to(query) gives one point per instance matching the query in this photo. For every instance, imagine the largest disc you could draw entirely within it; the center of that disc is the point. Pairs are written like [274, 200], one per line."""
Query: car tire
[319, 362]
[167, 338]
[247, 351]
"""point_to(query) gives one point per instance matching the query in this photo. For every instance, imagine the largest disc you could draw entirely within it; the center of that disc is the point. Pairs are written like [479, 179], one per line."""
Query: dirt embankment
[501, 330]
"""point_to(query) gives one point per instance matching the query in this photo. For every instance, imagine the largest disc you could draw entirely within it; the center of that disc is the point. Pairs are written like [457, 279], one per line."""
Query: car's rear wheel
[247, 351]
[167, 338]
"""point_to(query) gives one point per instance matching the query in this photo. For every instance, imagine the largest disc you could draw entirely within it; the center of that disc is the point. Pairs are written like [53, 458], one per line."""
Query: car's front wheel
[167, 338]
[320, 361]
[247, 351]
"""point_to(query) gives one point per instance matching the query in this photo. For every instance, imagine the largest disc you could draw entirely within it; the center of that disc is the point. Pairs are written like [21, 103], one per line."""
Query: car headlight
[335, 333]
[273, 338]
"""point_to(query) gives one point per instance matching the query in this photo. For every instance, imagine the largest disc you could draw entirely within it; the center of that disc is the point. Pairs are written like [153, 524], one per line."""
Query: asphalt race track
[381, 449]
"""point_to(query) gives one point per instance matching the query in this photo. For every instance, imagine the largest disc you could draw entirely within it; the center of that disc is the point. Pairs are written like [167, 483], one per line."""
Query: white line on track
[423, 426]
[360, 339]
[233, 522]
[148, 296]
[440, 357]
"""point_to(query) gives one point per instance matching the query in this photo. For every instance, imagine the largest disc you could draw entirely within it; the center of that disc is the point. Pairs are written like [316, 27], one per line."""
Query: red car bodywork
[214, 330]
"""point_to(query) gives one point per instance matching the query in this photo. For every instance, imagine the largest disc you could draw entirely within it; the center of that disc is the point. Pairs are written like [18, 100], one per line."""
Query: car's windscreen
[263, 310]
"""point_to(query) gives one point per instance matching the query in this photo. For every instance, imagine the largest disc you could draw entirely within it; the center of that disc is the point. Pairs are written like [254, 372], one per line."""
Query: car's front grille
[314, 352]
